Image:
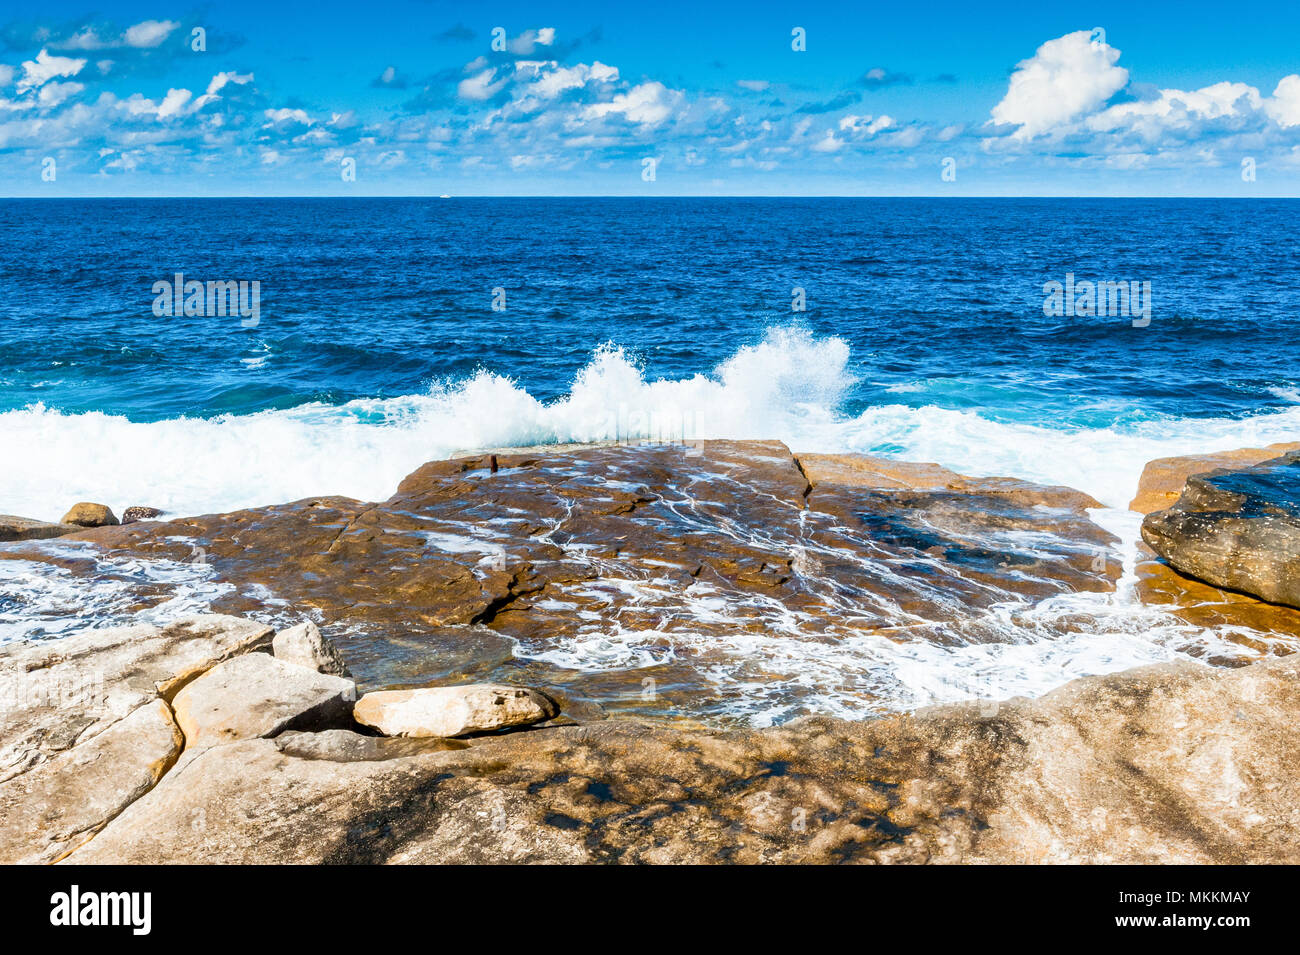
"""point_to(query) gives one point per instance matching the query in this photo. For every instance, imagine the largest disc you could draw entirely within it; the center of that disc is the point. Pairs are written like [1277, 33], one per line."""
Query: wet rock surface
[723, 580]
[1236, 529]
[1163, 479]
[13, 528]
[1172, 763]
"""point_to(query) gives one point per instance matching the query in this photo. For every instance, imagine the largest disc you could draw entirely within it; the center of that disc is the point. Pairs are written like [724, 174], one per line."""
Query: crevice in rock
[168, 764]
[808, 486]
[347, 526]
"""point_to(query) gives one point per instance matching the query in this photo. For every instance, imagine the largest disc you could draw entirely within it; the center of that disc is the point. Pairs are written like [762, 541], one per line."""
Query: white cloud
[1064, 88]
[220, 82]
[480, 86]
[52, 94]
[6, 74]
[173, 103]
[828, 143]
[149, 34]
[45, 68]
[1178, 109]
[288, 115]
[647, 104]
[145, 35]
[1284, 107]
[548, 79]
[1065, 78]
[84, 39]
[529, 40]
[754, 86]
[865, 125]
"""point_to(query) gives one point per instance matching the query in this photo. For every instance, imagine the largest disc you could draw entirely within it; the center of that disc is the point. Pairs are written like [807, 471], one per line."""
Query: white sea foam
[41, 599]
[790, 386]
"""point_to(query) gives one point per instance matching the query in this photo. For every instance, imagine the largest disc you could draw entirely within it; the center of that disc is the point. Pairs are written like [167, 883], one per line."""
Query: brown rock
[868, 471]
[687, 548]
[1236, 529]
[1260, 627]
[26, 529]
[86, 514]
[346, 746]
[1164, 478]
[139, 513]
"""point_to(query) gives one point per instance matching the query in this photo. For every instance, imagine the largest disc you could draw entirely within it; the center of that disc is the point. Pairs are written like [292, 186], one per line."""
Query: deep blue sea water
[924, 336]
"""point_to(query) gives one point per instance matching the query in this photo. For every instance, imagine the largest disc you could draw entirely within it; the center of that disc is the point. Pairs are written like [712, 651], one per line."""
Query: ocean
[391, 332]
[377, 346]
[923, 335]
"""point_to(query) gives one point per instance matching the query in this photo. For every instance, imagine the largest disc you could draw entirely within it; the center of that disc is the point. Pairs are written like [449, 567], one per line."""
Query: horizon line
[628, 196]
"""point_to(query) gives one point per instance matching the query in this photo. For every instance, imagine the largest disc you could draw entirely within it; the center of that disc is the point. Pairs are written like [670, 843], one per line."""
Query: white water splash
[790, 386]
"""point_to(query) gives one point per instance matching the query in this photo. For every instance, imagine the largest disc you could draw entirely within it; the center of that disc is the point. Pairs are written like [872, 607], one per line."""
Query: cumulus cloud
[1178, 109]
[173, 103]
[533, 107]
[862, 129]
[47, 67]
[1284, 107]
[865, 125]
[829, 143]
[1066, 93]
[548, 79]
[1065, 78]
[647, 104]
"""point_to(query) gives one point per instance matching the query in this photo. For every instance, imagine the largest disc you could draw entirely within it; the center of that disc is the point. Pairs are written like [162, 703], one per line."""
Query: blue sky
[415, 98]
